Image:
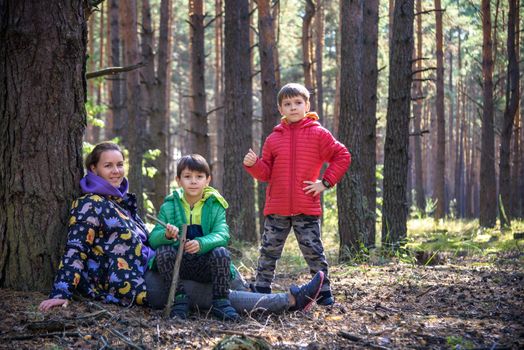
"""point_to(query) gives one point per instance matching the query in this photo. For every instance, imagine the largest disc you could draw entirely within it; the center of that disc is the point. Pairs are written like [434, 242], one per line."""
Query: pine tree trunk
[159, 118]
[440, 165]
[319, 48]
[420, 196]
[488, 195]
[512, 104]
[369, 105]
[42, 121]
[217, 118]
[307, 63]
[116, 81]
[270, 114]
[238, 184]
[276, 25]
[135, 123]
[395, 210]
[350, 197]
[199, 141]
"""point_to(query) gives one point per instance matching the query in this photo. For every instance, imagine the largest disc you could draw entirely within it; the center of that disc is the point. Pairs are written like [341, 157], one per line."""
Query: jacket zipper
[292, 177]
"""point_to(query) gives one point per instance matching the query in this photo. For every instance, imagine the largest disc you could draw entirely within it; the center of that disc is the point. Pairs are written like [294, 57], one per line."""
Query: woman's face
[110, 167]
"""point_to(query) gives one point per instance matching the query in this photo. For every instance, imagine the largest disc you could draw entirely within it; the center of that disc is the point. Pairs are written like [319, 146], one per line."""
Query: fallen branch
[125, 339]
[40, 335]
[425, 292]
[230, 332]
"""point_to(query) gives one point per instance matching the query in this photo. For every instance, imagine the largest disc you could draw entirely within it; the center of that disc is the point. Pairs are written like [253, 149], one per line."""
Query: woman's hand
[51, 303]
[171, 232]
[192, 247]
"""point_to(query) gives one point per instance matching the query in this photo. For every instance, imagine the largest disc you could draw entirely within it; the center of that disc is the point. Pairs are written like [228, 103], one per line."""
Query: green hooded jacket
[213, 221]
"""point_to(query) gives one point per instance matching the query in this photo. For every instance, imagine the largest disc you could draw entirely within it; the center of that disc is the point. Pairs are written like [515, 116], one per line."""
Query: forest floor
[458, 303]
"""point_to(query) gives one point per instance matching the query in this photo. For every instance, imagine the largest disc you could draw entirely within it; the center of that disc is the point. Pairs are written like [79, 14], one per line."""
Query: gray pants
[200, 295]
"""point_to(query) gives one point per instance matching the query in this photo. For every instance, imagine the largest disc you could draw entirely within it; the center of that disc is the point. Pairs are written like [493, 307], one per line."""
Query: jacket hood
[92, 183]
[309, 120]
[208, 193]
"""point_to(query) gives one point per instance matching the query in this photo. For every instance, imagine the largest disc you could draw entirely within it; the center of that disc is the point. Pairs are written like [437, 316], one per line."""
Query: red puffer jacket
[292, 154]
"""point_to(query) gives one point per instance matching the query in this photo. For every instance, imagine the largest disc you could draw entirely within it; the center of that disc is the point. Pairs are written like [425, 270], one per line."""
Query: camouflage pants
[210, 267]
[276, 230]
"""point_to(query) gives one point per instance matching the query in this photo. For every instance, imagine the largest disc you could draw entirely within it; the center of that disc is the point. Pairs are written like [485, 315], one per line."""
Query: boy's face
[294, 108]
[193, 183]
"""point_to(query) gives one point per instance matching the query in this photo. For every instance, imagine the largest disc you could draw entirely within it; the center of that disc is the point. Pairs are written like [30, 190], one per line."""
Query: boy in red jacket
[292, 157]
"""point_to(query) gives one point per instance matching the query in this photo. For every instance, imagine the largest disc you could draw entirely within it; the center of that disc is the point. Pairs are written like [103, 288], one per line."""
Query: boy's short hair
[193, 162]
[292, 90]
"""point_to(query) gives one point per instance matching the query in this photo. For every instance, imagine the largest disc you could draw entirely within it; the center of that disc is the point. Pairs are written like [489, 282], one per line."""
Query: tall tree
[116, 102]
[159, 118]
[307, 62]
[42, 120]
[440, 165]
[369, 111]
[395, 210]
[512, 104]
[488, 195]
[216, 119]
[352, 225]
[136, 124]
[270, 114]
[420, 196]
[238, 184]
[199, 141]
[319, 49]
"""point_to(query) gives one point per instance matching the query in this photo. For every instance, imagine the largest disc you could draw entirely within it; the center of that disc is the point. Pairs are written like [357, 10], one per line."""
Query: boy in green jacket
[205, 257]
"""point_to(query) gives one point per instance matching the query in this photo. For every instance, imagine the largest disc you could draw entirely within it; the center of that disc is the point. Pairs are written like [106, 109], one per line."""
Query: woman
[107, 252]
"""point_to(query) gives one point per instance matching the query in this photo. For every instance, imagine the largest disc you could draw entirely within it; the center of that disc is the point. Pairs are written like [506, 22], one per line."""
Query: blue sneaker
[180, 307]
[325, 298]
[224, 311]
[306, 294]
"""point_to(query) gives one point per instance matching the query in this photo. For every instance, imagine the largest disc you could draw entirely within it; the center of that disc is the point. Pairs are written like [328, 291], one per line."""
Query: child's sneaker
[180, 307]
[325, 298]
[224, 311]
[306, 294]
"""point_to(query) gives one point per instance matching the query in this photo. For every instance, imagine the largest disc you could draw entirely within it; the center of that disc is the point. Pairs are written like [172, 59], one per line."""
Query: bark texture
[270, 114]
[199, 141]
[396, 146]
[42, 120]
[488, 195]
[238, 184]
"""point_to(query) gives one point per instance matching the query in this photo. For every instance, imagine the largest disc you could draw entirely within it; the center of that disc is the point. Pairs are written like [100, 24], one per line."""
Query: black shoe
[263, 290]
[306, 294]
[180, 307]
[325, 298]
[224, 311]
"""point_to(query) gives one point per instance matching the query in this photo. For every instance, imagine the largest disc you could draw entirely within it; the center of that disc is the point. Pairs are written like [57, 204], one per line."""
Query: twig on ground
[230, 332]
[125, 339]
[40, 335]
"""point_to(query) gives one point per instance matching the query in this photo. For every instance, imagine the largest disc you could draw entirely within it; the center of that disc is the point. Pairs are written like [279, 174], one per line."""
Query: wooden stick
[160, 222]
[176, 270]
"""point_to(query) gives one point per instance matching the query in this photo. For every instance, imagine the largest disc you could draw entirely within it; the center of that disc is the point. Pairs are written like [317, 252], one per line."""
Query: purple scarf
[92, 183]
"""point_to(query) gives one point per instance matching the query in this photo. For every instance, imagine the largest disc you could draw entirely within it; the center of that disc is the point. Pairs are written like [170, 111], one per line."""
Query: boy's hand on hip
[171, 232]
[192, 247]
[314, 187]
[250, 158]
